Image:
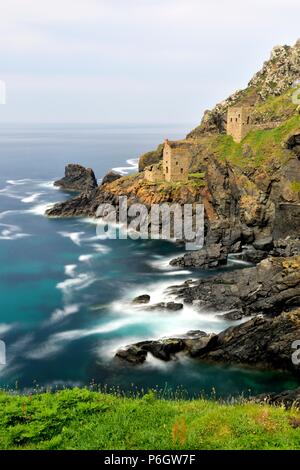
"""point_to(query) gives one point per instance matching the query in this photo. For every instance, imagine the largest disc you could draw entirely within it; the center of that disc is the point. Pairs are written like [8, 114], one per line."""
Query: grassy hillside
[81, 419]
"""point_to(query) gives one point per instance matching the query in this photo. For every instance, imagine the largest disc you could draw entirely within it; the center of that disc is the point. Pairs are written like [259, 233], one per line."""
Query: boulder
[173, 306]
[111, 176]
[210, 256]
[141, 299]
[77, 178]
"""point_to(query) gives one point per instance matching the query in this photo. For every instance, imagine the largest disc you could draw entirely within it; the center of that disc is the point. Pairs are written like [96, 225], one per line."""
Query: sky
[133, 61]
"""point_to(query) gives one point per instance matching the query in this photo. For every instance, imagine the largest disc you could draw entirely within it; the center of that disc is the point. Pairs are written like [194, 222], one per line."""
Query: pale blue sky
[133, 61]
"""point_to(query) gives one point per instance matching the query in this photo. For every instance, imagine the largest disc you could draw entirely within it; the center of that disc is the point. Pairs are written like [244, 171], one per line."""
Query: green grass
[258, 147]
[81, 419]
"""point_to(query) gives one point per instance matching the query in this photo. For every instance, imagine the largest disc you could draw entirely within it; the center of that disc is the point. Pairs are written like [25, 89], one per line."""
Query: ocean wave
[75, 237]
[48, 185]
[85, 258]
[132, 166]
[40, 209]
[31, 198]
[19, 182]
[101, 248]
[11, 232]
[60, 314]
[70, 270]
[76, 283]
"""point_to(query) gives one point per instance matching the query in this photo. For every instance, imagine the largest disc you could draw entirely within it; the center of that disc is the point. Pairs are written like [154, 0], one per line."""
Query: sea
[66, 291]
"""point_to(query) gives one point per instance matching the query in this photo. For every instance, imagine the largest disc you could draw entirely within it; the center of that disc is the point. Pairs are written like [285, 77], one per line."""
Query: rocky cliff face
[77, 178]
[277, 75]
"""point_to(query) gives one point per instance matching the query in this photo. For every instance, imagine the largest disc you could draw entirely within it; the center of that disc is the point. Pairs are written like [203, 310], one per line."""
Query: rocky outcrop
[171, 306]
[83, 205]
[141, 299]
[111, 176]
[288, 399]
[278, 73]
[166, 349]
[210, 256]
[269, 287]
[261, 342]
[276, 77]
[77, 178]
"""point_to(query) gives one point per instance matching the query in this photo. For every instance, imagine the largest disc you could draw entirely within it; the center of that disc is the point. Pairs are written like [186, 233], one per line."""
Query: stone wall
[154, 174]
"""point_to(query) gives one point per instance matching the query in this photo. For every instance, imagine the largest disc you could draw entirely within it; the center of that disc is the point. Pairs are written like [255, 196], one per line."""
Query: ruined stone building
[239, 122]
[175, 164]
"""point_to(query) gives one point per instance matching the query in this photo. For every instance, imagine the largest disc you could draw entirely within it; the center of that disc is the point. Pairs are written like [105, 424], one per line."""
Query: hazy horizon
[147, 62]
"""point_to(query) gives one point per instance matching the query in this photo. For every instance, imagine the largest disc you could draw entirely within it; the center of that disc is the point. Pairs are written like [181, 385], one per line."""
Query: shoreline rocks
[77, 178]
[260, 342]
[267, 288]
[110, 177]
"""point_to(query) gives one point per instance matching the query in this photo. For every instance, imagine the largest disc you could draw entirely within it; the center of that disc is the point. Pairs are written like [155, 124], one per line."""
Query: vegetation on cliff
[81, 419]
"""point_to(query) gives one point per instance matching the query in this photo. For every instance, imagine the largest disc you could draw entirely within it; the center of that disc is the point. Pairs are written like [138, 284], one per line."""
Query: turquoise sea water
[65, 293]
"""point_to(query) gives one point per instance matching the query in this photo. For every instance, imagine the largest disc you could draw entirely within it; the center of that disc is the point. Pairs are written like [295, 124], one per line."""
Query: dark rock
[77, 178]
[164, 350]
[210, 256]
[289, 399]
[111, 176]
[132, 354]
[286, 247]
[174, 306]
[251, 255]
[234, 315]
[263, 244]
[260, 342]
[269, 287]
[142, 299]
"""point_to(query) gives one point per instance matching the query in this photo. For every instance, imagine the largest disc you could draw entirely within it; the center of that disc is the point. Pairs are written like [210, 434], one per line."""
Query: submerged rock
[141, 299]
[174, 306]
[77, 178]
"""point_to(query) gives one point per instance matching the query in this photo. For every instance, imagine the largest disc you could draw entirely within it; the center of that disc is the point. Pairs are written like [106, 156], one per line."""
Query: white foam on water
[178, 273]
[31, 198]
[60, 314]
[85, 258]
[48, 185]
[19, 182]
[4, 328]
[57, 341]
[76, 283]
[101, 248]
[125, 170]
[70, 270]
[11, 232]
[75, 237]
[162, 263]
[40, 209]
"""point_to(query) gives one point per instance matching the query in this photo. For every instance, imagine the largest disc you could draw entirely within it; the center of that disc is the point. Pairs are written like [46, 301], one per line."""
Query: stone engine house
[239, 122]
[174, 166]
